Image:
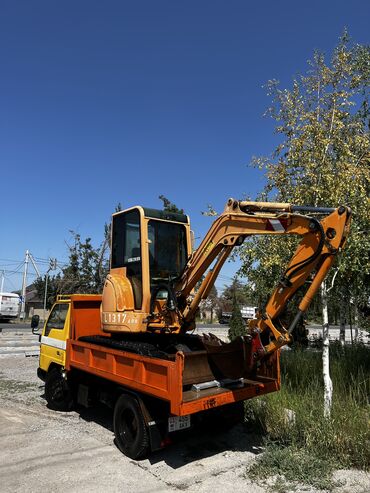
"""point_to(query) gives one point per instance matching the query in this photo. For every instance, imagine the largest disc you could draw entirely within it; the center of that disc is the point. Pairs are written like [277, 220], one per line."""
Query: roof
[5, 293]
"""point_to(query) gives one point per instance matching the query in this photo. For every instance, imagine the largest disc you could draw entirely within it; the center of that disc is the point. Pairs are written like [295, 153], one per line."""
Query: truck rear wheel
[131, 432]
[57, 391]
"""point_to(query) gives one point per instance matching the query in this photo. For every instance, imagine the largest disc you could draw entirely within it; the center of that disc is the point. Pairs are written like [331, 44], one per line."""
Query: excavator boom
[321, 241]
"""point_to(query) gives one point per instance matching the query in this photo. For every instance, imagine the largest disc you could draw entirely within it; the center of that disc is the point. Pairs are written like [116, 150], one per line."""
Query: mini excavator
[149, 295]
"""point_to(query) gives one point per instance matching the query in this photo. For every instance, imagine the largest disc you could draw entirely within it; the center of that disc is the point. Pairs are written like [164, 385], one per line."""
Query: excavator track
[136, 347]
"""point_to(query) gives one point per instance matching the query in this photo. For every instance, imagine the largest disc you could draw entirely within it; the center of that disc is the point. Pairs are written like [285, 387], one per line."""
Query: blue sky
[121, 101]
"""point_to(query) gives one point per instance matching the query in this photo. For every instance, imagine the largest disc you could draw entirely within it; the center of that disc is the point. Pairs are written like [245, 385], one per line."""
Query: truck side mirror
[35, 323]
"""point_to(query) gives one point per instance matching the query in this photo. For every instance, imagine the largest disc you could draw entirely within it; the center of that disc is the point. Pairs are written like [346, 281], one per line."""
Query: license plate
[176, 423]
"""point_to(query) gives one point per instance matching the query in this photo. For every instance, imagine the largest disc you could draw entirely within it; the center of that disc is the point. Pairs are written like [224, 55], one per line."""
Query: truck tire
[57, 391]
[129, 426]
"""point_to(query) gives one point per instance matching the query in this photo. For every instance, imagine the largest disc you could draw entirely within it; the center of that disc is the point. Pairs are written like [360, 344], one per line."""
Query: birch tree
[323, 159]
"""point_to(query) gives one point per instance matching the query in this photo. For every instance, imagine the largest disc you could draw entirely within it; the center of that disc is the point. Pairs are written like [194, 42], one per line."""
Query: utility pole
[52, 266]
[22, 314]
[2, 280]
[34, 265]
[28, 258]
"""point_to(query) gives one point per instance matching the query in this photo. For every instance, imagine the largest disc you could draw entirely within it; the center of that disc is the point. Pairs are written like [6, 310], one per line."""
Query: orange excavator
[130, 347]
[150, 288]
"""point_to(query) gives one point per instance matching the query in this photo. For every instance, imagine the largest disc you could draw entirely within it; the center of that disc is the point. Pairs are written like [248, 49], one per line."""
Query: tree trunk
[350, 321]
[342, 316]
[356, 321]
[328, 385]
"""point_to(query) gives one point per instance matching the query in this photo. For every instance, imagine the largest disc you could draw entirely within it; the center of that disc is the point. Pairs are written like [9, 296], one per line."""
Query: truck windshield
[167, 250]
[57, 317]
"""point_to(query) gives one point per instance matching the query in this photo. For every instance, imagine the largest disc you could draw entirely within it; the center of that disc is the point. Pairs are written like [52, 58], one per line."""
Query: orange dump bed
[157, 377]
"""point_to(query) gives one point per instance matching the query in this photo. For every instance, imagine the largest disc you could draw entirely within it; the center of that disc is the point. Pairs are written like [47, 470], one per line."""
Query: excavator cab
[150, 249]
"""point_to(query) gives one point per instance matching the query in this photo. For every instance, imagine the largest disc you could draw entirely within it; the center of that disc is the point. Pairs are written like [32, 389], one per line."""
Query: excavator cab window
[167, 251]
[126, 249]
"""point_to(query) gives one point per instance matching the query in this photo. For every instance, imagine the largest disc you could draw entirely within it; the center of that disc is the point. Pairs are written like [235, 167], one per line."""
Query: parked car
[248, 312]
[9, 306]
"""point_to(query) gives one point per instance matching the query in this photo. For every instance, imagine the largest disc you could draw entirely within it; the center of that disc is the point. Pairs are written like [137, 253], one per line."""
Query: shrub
[342, 440]
[237, 326]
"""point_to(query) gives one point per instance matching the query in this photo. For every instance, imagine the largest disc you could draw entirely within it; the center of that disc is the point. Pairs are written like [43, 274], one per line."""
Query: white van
[9, 306]
[249, 312]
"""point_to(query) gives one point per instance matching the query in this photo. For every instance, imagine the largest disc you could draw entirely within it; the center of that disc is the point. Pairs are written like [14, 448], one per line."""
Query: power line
[38, 259]
[10, 260]
[19, 266]
[47, 261]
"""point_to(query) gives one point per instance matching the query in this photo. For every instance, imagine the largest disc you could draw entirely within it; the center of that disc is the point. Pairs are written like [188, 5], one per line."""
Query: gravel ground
[44, 450]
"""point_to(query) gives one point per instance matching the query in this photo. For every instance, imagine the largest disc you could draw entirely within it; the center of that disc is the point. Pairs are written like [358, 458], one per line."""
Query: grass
[301, 444]
[291, 466]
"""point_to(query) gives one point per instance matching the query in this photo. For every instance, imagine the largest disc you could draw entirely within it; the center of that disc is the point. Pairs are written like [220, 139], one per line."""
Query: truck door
[54, 336]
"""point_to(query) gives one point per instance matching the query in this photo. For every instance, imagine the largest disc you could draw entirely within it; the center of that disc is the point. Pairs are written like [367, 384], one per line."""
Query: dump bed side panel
[162, 378]
[153, 376]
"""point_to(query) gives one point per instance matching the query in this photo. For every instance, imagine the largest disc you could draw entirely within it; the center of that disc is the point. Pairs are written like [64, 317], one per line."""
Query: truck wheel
[129, 426]
[57, 391]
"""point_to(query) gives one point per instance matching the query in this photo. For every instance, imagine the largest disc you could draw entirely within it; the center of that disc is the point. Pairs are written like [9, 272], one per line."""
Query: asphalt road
[220, 330]
[10, 326]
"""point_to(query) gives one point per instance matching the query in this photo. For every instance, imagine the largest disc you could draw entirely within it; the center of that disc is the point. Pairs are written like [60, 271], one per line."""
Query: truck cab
[54, 335]
[59, 327]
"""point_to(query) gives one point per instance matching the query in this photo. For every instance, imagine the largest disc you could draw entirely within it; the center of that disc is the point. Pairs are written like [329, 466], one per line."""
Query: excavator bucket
[236, 359]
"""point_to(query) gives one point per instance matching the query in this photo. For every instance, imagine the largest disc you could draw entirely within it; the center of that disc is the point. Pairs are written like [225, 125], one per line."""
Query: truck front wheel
[131, 432]
[57, 391]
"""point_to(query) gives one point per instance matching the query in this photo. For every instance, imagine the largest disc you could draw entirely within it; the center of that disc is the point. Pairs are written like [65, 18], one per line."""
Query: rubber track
[142, 348]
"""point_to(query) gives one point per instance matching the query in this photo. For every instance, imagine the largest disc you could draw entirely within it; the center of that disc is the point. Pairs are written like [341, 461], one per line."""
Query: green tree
[237, 326]
[54, 285]
[82, 275]
[322, 159]
[85, 271]
[211, 303]
[243, 294]
[169, 206]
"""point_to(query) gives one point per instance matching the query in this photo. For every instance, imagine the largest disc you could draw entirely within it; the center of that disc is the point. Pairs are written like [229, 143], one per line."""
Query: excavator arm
[321, 240]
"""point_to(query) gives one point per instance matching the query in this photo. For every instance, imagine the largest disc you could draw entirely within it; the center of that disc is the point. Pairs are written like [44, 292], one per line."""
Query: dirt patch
[42, 449]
